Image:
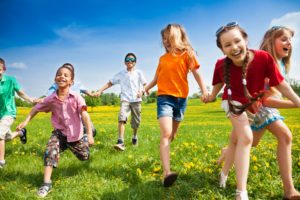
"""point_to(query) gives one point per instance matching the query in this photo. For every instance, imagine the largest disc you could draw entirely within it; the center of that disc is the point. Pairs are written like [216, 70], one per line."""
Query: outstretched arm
[24, 96]
[106, 86]
[201, 84]
[151, 84]
[87, 123]
[288, 92]
[215, 91]
[30, 116]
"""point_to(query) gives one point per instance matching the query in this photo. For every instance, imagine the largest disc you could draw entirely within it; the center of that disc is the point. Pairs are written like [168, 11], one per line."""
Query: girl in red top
[277, 42]
[243, 71]
[172, 83]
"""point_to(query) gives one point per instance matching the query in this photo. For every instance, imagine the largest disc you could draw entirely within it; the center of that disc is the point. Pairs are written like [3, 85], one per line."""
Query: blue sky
[39, 36]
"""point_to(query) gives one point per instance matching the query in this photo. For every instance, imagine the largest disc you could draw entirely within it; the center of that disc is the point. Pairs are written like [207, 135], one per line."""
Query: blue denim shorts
[170, 106]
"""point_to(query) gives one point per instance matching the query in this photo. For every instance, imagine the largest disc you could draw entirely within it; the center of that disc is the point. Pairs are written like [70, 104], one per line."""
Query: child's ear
[72, 82]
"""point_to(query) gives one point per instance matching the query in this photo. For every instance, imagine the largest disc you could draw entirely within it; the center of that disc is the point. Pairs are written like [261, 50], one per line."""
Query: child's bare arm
[201, 84]
[24, 96]
[286, 91]
[215, 91]
[106, 86]
[30, 116]
[87, 123]
[151, 84]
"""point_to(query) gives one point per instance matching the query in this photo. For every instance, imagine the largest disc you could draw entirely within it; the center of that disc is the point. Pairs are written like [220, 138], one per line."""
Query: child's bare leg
[242, 152]
[121, 127]
[284, 148]
[2, 149]
[47, 174]
[174, 129]
[165, 124]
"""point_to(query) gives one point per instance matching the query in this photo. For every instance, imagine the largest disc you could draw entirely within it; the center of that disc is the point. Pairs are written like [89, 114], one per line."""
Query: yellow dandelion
[255, 168]
[254, 158]
[138, 171]
[156, 169]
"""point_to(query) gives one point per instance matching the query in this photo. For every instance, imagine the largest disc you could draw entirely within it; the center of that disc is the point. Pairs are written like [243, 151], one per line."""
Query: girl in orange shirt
[171, 79]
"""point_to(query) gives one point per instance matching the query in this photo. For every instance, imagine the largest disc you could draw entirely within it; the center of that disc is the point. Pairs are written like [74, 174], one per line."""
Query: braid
[239, 109]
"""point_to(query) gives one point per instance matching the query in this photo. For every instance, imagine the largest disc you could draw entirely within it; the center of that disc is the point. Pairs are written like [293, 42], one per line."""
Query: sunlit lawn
[136, 172]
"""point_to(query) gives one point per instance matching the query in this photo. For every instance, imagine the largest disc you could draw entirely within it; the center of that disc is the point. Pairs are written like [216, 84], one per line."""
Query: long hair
[235, 109]
[268, 43]
[175, 40]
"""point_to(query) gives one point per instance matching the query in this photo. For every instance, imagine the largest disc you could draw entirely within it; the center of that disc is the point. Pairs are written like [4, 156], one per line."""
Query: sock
[134, 137]
[2, 162]
[121, 138]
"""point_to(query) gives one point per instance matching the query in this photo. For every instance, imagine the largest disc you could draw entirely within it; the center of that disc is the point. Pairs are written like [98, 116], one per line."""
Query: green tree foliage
[295, 84]
[152, 97]
[21, 103]
[104, 99]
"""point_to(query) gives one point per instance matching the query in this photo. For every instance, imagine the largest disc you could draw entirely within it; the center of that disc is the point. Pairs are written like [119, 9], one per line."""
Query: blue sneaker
[23, 138]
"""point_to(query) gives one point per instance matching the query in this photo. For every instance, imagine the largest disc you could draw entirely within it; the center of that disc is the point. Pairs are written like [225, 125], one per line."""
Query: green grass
[136, 172]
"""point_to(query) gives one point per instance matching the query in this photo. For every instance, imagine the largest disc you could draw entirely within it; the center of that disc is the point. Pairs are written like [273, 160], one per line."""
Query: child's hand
[38, 100]
[90, 139]
[21, 125]
[147, 91]
[140, 94]
[97, 93]
[205, 97]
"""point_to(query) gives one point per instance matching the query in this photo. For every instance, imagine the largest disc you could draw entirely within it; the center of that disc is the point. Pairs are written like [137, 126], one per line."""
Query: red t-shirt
[262, 66]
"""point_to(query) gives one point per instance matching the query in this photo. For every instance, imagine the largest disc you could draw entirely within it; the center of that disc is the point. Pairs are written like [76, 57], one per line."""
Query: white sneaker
[223, 180]
[241, 195]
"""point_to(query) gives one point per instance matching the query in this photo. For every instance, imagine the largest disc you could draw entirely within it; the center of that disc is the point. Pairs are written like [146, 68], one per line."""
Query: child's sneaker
[120, 145]
[44, 190]
[23, 138]
[2, 163]
[134, 141]
[223, 179]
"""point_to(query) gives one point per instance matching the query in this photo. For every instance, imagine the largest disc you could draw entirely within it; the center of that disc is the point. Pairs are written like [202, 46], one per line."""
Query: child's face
[234, 46]
[63, 78]
[1, 70]
[130, 62]
[283, 45]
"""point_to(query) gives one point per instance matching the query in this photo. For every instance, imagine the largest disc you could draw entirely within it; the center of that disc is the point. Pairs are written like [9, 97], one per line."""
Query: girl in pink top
[243, 71]
[67, 109]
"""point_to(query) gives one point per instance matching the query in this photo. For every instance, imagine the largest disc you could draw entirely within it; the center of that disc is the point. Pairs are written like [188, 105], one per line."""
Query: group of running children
[253, 82]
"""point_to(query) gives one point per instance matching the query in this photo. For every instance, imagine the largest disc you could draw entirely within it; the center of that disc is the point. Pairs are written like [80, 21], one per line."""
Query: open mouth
[237, 53]
[286, 50]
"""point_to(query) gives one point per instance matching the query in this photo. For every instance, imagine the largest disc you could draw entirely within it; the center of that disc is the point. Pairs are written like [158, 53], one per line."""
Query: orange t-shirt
[172, 74]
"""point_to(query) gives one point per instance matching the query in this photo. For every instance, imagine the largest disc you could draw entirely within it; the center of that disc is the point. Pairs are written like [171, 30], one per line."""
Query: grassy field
[136, 172]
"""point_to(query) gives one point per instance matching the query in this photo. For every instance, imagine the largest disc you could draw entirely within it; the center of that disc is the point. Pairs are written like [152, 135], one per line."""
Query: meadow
[136, 172]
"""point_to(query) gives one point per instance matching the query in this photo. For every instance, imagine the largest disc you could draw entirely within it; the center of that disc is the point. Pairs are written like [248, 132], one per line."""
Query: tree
[295, 85]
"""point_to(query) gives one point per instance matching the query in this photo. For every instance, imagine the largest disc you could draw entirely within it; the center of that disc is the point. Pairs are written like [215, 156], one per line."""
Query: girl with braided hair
[243, 72]
[277, 42]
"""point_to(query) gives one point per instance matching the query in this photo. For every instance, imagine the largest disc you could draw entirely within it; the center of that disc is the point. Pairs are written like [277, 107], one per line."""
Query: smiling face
[234, 46]
[64, 77]
[283, 45]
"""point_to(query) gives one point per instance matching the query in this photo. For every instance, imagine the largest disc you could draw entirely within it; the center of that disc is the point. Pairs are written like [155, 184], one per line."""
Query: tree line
[108, 99]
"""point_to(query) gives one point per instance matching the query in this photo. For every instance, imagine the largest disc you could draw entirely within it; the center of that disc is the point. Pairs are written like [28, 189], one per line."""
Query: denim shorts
[170, 106]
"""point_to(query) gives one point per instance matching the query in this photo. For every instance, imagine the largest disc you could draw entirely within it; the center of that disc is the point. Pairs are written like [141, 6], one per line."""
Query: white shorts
[5, 124]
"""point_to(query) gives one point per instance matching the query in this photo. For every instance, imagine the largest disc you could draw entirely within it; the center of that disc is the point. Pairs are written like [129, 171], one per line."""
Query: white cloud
[18, 65]
[292, 20]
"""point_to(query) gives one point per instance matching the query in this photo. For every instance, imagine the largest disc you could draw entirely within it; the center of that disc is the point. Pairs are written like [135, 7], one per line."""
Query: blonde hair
[175, 40]
[268, 43]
